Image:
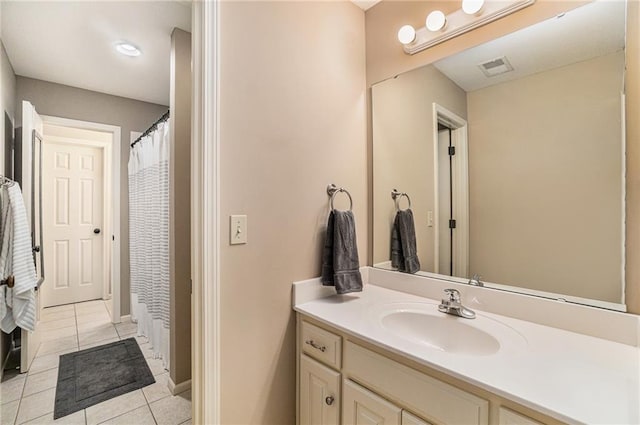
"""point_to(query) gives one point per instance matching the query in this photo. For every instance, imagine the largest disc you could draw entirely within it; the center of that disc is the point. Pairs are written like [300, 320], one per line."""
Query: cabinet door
[362, 407]
[509, 417]
[319, 393]
[409, 419]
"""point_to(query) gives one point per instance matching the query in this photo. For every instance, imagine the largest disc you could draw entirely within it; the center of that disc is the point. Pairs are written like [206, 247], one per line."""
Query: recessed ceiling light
[128, 49]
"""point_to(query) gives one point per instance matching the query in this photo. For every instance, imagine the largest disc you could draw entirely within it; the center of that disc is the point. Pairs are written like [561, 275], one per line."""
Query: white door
[362, 407]
[319, 393]
[73, 238]
[444, 202]
[31, 130]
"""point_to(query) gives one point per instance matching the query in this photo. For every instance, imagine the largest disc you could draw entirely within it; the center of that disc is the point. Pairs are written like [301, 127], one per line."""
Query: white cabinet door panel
[409, 419]
[319, 393]
[362, 407]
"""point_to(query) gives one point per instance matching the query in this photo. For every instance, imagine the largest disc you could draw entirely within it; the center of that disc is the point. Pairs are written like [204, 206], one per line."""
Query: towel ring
[333, 190]
[397, 196]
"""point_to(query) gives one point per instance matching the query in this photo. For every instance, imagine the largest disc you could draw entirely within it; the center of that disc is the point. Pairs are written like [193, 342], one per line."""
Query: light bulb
[406, 34]
[471, 7]
[435, 21]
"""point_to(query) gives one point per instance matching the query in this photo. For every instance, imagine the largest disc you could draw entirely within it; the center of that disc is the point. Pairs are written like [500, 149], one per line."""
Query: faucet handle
[454, 295]
[475, 280]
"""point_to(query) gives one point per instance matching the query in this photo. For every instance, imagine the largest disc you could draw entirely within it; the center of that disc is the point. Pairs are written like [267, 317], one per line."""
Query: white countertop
[569, 376]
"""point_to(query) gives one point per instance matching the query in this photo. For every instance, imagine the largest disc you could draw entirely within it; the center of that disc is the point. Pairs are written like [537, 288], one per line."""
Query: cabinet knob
[329, 400]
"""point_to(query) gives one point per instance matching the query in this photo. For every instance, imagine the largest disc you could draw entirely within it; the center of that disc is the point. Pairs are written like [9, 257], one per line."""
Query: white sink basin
[423, 324]
[444, 333]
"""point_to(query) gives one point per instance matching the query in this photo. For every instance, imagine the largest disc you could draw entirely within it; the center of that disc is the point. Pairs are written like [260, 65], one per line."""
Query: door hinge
[452, 150]
[113, 237]
[452, 224]
[191, 286]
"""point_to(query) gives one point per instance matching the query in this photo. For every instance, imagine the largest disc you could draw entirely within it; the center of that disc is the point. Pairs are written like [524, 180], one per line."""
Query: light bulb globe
[406, 34]
[435, 21]
[472, 7]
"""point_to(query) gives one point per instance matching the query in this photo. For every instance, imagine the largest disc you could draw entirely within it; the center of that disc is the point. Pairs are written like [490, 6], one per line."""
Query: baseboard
[178, 388]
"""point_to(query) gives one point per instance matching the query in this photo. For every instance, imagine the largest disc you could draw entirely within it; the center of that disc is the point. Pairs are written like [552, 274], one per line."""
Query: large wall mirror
[512, 154]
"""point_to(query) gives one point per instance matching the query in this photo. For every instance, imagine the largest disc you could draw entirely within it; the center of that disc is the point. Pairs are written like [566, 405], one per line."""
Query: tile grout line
[75, 314]
[149, 406]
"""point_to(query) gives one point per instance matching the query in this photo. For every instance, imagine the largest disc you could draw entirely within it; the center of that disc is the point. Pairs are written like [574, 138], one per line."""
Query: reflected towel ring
[397, 196]
[333, 190]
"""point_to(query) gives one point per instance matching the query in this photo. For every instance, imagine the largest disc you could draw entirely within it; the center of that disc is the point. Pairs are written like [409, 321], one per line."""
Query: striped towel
[19, 301]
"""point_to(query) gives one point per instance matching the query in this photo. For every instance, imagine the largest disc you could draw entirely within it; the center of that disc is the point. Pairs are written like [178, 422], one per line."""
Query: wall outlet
[238, 229]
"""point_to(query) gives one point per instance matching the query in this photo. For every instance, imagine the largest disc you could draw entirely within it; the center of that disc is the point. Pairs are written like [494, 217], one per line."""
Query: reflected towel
[340, 262]
[404, 255]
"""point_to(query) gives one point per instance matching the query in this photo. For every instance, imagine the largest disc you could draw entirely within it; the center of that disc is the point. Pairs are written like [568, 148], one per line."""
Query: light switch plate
[238, 229]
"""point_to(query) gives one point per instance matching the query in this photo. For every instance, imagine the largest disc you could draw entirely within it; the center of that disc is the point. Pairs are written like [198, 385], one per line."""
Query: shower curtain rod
[162, 119]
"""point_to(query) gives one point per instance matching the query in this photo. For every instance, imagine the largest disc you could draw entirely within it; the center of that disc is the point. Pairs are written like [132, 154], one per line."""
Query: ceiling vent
[496, 67]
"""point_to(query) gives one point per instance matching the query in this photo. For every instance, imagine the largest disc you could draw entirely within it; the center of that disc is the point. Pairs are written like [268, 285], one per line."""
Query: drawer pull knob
[316, 345]
[329, 400]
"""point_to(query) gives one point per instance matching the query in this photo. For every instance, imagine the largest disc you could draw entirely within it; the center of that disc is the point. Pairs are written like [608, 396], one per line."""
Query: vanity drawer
[426, 396]
[321, 344]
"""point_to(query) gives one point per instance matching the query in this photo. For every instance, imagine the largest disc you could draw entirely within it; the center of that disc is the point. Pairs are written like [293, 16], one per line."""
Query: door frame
[460, 189]
[111, 205]
[205, 213]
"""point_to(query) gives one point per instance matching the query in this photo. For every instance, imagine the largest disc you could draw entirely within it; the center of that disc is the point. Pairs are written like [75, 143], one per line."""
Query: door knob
[329, 400]
[96, 231]
[36, 248]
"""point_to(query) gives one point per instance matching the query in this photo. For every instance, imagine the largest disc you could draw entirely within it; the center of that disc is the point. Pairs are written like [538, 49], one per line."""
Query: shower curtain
[149, 238]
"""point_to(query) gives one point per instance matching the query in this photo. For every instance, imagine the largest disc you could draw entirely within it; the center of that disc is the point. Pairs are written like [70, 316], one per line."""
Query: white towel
[6, 315]
[21, 300]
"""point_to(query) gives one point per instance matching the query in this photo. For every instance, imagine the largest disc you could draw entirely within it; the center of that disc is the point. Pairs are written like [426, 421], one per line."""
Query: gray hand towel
[340, 262]
[404, 255]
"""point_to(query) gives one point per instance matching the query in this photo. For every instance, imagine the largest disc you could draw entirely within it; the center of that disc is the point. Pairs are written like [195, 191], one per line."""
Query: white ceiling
[72, 43]
[587, 32]
[365, 4]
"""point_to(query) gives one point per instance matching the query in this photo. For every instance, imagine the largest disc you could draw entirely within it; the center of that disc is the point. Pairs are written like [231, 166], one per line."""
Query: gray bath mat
[97, 374]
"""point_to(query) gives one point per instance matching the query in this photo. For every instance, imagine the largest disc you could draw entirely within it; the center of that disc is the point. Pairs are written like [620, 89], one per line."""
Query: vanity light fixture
[128, 49]
[473, 14]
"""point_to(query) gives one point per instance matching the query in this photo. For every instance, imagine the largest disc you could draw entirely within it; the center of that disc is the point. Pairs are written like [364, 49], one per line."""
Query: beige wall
[385, 59]
[403, 152]
[292, 121]
[179, 202]
[544, 180]
[632, 89]
[130, 115]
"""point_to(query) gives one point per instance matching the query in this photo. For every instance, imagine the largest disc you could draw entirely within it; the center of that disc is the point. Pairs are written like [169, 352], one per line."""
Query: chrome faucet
[475, 280]
[453, 305]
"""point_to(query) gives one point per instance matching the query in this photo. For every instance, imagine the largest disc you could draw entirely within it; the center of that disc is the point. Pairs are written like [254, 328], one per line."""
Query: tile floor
[29, 398]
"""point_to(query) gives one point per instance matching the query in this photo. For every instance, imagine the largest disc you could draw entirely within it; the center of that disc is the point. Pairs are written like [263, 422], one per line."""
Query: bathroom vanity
[389, 356]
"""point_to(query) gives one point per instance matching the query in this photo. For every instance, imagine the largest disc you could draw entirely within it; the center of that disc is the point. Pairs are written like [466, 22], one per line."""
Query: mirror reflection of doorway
[451, 177]
[446, 221]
